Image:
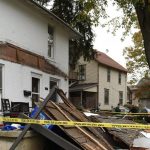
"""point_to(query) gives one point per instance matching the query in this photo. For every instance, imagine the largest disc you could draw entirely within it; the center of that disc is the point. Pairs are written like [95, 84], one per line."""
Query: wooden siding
[91, 71]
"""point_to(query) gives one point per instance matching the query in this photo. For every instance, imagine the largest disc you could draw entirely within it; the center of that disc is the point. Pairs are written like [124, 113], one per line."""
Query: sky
[110, 44]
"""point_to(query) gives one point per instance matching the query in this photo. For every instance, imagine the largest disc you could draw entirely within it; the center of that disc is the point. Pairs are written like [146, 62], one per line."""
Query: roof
[104, 59]
[82, 87]
[52, 16]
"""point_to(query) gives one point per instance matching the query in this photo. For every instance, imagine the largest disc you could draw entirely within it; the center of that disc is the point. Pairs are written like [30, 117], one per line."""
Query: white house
[34, 51]
[102, 82]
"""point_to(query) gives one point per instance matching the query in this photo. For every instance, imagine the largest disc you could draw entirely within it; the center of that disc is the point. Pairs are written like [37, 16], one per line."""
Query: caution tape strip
[74, 123]
[124, 113]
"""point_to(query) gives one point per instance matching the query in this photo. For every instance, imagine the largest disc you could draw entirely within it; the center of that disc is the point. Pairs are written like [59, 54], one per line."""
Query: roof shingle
[104, 59]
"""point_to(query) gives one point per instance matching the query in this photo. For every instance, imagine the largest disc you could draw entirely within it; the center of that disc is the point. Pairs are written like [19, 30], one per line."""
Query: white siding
[18, 78]
[113, 86]
[27, 28]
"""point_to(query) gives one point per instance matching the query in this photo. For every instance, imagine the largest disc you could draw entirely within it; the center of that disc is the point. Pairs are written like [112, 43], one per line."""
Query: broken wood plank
[89, 136]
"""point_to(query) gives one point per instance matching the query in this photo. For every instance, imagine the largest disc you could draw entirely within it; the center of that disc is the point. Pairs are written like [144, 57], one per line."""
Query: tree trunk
[143, 14]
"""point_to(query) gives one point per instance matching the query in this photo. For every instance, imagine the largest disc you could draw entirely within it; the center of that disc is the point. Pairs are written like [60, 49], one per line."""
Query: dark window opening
[121, 97]
[119, 78]
[35, 90]
[53, 82]
[82, 72]
[108, 75]
[106, 96]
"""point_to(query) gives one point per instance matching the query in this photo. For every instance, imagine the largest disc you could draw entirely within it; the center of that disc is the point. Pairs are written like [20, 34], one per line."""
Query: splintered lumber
[88, 138]
[52, 136]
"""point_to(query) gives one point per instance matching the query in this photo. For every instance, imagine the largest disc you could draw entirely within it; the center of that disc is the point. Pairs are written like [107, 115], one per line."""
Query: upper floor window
[82, 72]
[50, 42]
[121, 97]
[106, 96]
[108, 75]
[119, 77]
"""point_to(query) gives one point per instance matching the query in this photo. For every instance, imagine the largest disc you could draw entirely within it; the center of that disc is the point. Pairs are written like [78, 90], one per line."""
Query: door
[53, 82]
[35, 90]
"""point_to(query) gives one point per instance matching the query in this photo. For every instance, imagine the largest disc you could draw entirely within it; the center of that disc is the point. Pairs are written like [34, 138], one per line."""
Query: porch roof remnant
[83, 87]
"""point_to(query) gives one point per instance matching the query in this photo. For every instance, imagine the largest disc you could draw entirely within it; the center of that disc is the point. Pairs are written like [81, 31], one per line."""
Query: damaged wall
[26, 27]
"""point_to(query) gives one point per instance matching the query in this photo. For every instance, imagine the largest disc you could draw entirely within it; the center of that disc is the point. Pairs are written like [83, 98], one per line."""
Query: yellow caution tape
[74, 123]
[124, 113]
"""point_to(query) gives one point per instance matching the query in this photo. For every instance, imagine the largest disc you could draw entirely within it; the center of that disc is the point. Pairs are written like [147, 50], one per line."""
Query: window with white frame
[35, 90]
[50, 42]
[82, 72]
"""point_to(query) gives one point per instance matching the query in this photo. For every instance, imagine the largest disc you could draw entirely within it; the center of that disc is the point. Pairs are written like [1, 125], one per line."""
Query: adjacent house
[140, 93]
[101, 83]
[34, 51]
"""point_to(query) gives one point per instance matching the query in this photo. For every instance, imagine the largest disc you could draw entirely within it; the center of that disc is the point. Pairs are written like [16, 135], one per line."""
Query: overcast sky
[105, 41]
[110, 44]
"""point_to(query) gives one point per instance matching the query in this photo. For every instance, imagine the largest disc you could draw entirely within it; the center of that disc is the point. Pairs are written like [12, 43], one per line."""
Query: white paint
[141, 142]
[26, 27]
[113, 86]
[18, 78]
[88, 114]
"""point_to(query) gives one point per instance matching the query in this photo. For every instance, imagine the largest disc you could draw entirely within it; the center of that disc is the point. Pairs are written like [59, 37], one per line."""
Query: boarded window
[106, 96]
[82, 72]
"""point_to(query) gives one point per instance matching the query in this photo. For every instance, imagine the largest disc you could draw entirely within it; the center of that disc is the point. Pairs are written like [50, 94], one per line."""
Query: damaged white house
[34, 51]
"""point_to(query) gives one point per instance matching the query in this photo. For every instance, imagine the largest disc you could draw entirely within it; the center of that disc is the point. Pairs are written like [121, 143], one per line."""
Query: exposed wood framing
[18, 55]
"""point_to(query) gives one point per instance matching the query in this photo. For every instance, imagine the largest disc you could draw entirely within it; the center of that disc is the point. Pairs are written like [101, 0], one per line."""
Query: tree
[42, 2]
[81, 15]
[143, 90]
[136, 61]
[142, 10]
[86, 13]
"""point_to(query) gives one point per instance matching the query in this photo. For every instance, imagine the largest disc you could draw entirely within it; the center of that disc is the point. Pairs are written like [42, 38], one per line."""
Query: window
[108, 75]
[50, 42]
[119, 77]
[106, 96]
[121, 97]
[35, 90]
[53, 82]
[0, 81]
[82, 72]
